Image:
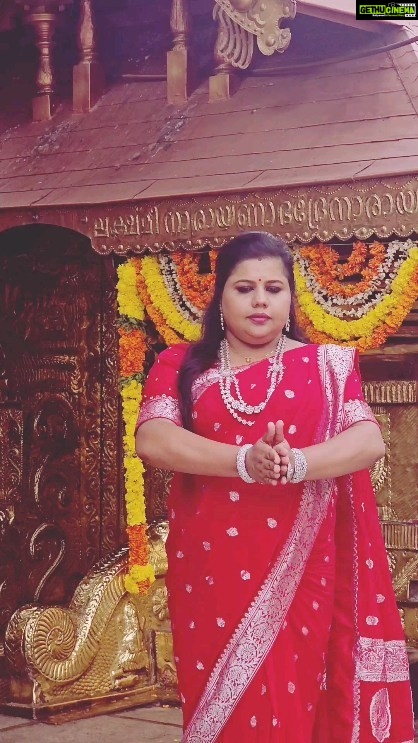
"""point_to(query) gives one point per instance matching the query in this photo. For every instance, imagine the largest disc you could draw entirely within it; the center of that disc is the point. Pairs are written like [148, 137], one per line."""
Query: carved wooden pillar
[223, 82]
[88, 77]
[43, 17]
[178, 59]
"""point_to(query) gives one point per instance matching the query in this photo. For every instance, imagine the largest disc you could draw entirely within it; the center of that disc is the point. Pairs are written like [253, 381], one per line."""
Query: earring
[287, 326]
[221, 317]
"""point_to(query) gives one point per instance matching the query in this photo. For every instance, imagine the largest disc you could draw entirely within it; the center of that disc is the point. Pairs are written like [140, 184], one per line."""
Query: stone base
[88, 86]
[222, 86]
[179, 76]
[42, 107]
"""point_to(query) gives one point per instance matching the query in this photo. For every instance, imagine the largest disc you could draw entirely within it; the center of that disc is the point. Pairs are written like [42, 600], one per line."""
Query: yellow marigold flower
[129, 301]
[162, 300]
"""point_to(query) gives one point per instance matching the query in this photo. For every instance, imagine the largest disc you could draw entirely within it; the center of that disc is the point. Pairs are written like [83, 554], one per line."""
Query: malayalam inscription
[295, 216]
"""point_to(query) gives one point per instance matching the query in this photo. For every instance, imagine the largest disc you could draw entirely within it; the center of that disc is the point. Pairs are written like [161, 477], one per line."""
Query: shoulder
[341, 359]
[173, 355]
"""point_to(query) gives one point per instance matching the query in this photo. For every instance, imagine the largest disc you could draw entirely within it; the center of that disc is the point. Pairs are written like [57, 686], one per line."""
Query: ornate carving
[86, 38]
[260, 18]
[234, 45]
[179, 24]
[105, 641]
[60, 487]
[382, 208]
[157, 534]
[11, 453]
[43, 17]
[361, 210]
[157, 483]
[88, 77]
[381, 472]
[37, 550]
[390, 392]
[112, 486]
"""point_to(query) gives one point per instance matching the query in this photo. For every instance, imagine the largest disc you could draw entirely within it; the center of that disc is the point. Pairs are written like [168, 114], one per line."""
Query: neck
[252, 353]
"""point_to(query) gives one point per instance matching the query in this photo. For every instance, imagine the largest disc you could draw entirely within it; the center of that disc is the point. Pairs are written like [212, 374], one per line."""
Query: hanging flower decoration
[132, 349]
[359, 301]
[196, 288]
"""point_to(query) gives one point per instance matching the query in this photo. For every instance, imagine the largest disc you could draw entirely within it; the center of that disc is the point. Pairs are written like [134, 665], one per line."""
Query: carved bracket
[261, 18]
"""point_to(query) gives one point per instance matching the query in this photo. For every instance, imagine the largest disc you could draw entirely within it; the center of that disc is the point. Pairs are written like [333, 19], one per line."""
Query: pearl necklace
[228, 379]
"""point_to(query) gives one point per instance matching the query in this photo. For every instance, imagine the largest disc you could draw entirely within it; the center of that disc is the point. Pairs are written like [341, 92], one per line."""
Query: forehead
[253, 269]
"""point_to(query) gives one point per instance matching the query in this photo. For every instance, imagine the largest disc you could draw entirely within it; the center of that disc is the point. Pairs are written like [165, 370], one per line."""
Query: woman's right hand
[262, 461]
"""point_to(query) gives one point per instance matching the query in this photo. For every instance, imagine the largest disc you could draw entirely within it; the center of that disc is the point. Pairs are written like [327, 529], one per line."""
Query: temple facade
[135, 139]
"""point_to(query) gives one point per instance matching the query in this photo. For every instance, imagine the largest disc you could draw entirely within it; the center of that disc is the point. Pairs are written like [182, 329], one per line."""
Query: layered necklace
[228, 382]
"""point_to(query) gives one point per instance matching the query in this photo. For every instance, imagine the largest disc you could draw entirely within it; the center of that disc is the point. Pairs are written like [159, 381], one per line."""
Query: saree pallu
[284, 620]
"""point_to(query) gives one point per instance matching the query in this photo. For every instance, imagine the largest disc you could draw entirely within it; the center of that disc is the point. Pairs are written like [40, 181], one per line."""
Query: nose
[260, 297]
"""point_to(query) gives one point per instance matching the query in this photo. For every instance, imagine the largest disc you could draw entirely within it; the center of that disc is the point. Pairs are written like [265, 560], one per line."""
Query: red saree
[284, 621]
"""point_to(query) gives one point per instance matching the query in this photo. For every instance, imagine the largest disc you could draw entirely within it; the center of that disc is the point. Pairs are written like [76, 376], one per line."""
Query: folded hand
[263, 463]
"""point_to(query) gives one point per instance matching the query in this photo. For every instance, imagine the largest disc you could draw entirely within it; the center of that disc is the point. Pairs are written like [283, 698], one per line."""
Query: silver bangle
[297, 473]
[241, 468]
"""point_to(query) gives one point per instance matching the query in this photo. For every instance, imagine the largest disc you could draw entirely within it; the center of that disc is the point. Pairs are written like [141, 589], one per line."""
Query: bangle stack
[241, 468]
[297, 472]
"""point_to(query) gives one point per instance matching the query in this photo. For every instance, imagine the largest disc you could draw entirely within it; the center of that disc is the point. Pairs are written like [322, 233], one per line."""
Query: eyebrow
[255, 281]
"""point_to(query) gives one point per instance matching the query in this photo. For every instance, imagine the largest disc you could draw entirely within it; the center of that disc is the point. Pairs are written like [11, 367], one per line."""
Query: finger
[279, 435]
[282, 450]
[268, 437]
[271, 471]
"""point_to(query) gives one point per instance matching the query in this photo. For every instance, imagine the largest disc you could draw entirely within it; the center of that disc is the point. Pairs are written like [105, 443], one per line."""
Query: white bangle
[297, 473]
[241, 468]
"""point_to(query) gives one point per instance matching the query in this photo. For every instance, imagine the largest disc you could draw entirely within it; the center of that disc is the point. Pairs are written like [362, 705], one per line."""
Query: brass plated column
[43, 17]
[178, 59]
[88, 77]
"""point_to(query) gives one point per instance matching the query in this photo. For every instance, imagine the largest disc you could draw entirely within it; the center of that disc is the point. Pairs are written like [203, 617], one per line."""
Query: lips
[259, 319]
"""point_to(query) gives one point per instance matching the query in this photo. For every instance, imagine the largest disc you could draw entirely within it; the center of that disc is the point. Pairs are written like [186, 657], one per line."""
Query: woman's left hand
[283, 449]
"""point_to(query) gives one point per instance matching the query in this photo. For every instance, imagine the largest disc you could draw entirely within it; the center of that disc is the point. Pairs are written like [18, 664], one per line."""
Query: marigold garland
[132, 349]
[329, 273]
[371, 330]
[196, 287]
[169, 336]
[163, 302]
[129, 302]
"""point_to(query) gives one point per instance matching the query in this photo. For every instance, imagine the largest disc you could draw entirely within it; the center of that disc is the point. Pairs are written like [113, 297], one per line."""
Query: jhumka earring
[287, 326]
[221, 317]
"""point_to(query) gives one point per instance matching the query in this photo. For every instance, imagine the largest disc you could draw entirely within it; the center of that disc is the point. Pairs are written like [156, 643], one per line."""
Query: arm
[161, 443]
[356, 448]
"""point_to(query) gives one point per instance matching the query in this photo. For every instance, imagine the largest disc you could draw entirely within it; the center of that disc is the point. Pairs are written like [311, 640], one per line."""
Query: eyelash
[247, 289]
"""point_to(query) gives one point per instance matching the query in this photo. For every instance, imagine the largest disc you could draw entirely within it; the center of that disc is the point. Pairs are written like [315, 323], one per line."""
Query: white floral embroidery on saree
[160, 406]
[355, 411]
[380, 716]
[380, 661]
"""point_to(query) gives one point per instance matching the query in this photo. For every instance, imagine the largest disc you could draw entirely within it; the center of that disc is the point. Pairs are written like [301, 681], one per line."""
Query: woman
[284, 621]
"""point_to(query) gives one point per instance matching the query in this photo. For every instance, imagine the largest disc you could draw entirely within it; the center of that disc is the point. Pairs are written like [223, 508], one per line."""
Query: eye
[274, 289]
[243, 289]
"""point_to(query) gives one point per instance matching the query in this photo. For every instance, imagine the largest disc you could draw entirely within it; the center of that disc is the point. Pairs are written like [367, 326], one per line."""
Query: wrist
[241, 463]
[297, 467]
